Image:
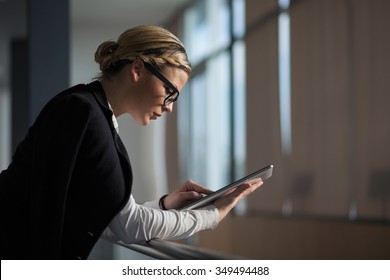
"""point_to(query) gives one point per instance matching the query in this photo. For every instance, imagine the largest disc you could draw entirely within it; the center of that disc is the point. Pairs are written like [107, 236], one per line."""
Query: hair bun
[112, 47]
[104, 54]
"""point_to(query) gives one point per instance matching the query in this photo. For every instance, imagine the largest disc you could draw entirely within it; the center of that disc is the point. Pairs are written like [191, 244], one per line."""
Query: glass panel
[196, 32]
[199, 150]
[206, 29]
[218, 123]
[207, 107]
[238, 18]
[183, 131]
[219, 18]
[206, 117]
[239, 108]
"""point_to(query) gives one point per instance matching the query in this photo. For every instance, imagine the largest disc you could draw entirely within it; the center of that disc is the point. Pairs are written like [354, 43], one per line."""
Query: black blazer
[68, 178]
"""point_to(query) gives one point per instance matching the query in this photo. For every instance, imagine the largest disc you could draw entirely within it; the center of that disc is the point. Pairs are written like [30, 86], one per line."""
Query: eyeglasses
[173, 92]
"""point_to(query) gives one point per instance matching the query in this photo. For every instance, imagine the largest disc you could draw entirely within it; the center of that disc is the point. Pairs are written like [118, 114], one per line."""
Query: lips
[155, 116]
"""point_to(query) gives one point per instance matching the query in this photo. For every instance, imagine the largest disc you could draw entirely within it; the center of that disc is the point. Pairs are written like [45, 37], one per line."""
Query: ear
[136, 69]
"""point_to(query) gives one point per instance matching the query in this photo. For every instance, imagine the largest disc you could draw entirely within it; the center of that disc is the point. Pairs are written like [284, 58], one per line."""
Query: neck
[116, 94]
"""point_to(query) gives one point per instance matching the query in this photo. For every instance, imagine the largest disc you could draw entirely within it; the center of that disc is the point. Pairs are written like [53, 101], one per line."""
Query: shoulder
[75, 104]
[76, 97]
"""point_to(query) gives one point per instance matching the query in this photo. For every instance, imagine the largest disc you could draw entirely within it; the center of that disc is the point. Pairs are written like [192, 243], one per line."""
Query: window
[211, 113]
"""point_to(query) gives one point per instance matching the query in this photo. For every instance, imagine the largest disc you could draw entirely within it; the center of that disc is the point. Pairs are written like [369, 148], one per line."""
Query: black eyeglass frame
[172, 88]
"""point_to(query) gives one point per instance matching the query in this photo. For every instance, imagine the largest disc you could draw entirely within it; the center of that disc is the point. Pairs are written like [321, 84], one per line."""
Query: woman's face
[152, 92]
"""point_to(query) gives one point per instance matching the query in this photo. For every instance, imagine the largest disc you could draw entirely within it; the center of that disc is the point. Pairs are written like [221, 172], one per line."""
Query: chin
[144, 122]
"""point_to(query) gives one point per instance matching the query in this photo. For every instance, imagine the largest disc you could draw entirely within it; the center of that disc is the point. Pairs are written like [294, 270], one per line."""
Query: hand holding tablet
[263, 174]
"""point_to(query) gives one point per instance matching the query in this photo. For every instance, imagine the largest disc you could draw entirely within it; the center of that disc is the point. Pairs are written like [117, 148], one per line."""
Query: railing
[168, 250]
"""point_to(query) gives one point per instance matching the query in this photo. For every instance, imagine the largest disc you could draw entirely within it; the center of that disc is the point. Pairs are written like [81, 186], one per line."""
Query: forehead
[176, 76]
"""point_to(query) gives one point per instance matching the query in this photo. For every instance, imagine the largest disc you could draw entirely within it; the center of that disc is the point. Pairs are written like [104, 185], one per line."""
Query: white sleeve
[137, 223]
[152, 204]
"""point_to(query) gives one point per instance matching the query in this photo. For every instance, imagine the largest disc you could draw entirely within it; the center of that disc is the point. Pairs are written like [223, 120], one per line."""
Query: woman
[70, 179]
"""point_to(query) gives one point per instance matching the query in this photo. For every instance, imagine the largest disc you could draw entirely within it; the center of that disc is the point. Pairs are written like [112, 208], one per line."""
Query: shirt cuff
[213, 214]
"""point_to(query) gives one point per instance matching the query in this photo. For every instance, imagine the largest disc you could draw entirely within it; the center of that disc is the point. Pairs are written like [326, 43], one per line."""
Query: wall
[12, 26]
[278, 238]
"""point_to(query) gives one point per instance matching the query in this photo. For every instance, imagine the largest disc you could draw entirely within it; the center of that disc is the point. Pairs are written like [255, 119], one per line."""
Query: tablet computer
[263, 173]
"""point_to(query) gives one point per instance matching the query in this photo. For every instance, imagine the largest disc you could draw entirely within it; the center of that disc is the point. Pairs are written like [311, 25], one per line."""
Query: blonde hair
[152, 44]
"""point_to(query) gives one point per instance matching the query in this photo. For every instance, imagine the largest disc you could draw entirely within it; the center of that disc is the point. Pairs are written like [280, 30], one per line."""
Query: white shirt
[136, 223]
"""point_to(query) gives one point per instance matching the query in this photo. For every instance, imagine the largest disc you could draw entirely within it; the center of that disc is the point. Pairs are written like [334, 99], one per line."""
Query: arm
[137, 223]
[191, 191]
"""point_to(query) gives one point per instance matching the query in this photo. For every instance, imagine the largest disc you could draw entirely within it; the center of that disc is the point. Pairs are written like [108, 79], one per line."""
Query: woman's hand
[185, 194]
[228, 201]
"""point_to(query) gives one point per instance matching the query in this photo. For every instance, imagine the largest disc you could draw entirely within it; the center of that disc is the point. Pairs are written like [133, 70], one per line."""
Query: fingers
[191, 191]
[227, 202]
[192, 186]
[190, 196]
[187, 192]
[247, 188]
[177, 200]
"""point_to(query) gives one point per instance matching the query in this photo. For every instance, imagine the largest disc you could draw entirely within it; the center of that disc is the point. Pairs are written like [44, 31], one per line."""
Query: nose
[168, 108]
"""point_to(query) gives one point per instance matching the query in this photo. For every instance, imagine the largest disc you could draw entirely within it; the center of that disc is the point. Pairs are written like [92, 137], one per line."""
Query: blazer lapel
[101, 98]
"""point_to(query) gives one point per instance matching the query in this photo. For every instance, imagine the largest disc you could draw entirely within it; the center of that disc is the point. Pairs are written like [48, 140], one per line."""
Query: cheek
[153, 93]
[157, 96]
[151, 100]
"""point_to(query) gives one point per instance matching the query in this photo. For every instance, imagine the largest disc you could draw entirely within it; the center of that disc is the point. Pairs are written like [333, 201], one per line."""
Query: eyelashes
[168, 90]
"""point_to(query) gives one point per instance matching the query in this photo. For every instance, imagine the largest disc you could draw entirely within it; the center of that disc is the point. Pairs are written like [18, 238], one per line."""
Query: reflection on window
[239, 109]
[285, 89]
[284, 78]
